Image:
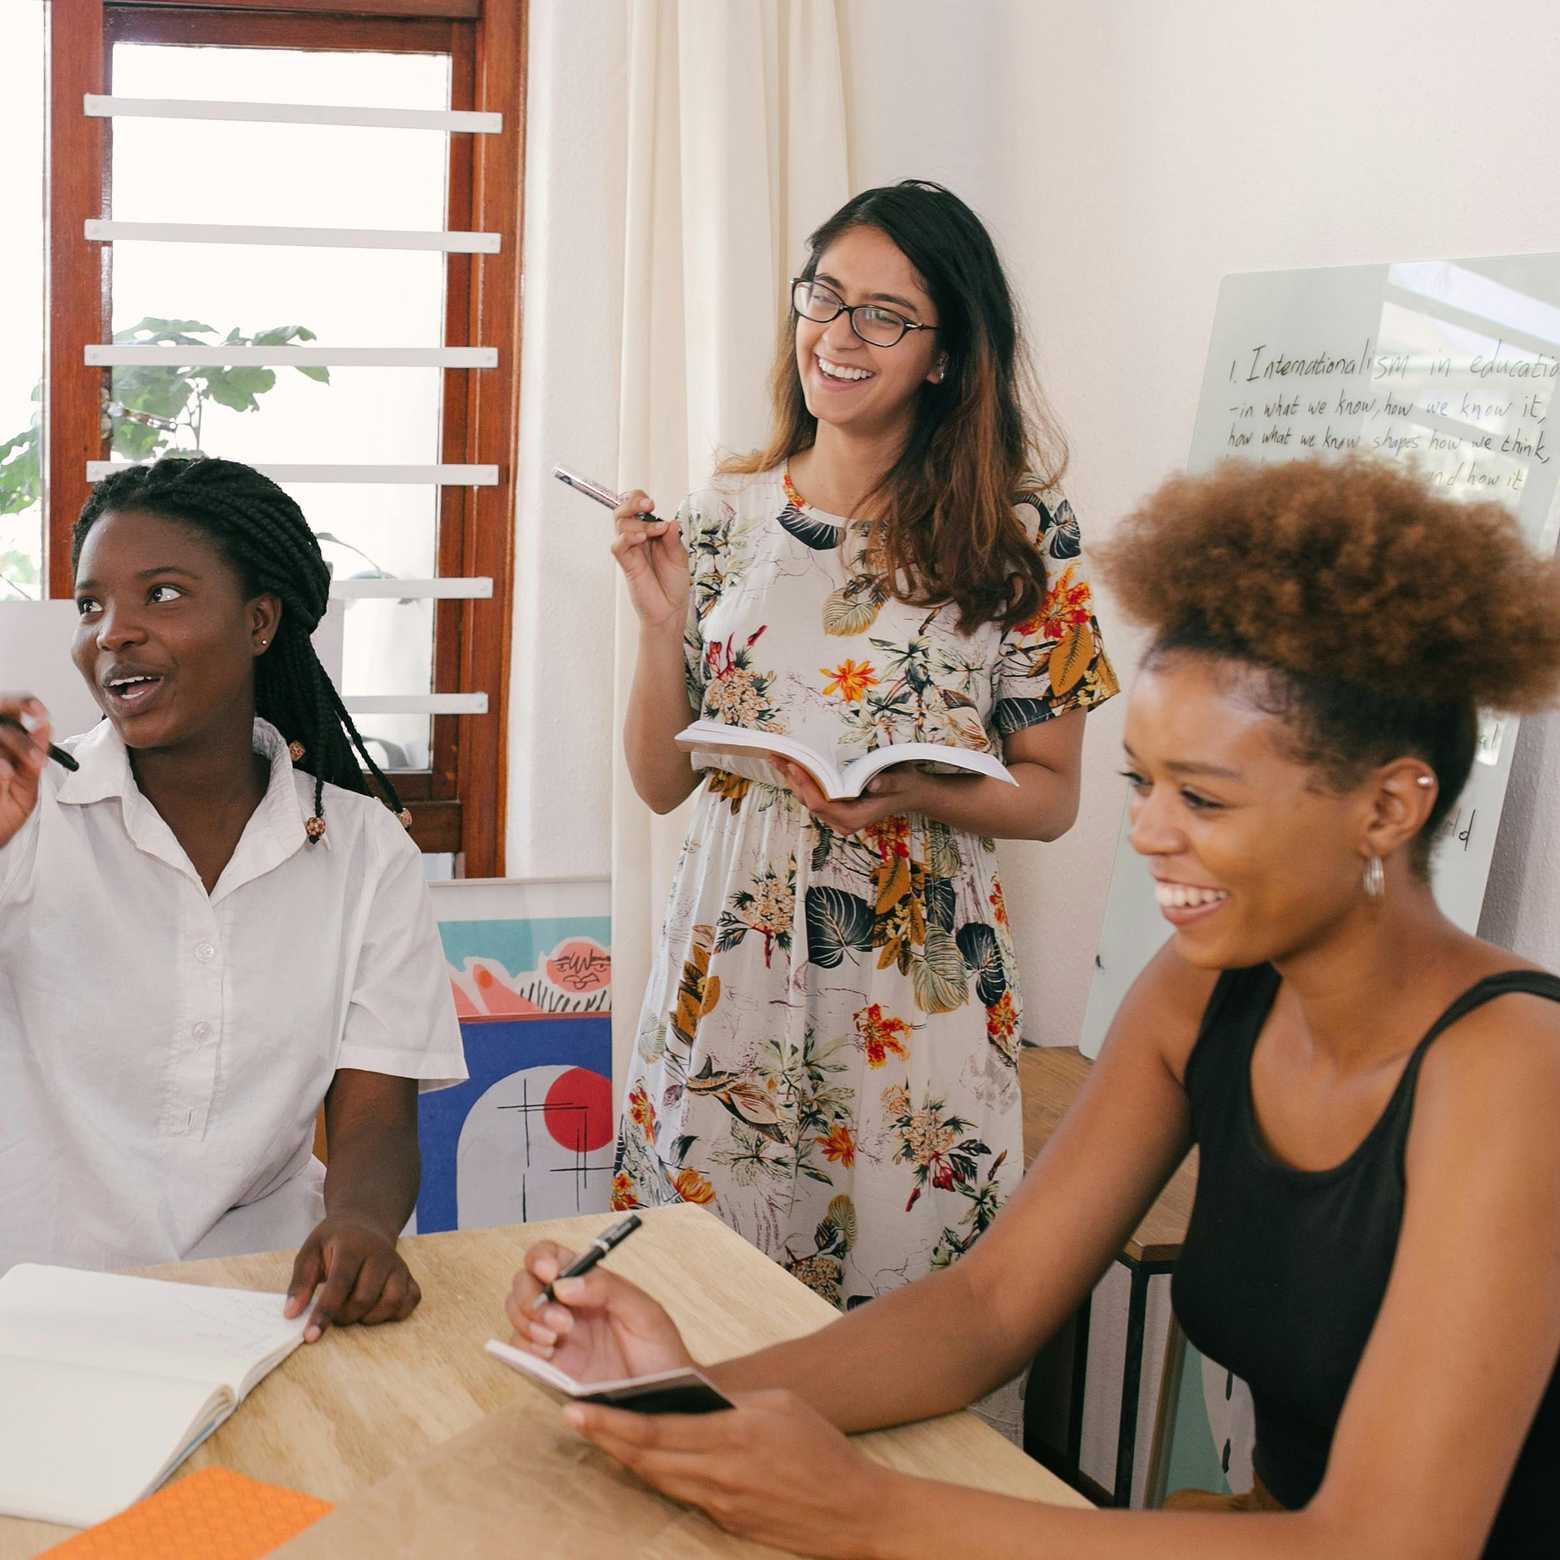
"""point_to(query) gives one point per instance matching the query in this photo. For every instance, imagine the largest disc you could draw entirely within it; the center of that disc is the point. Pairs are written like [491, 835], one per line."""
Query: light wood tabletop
[419, 1410]
[1051, 1077]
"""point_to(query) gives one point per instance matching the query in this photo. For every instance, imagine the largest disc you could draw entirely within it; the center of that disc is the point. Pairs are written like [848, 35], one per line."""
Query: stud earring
[1424, 780]
[262, 643]
[1375, 880]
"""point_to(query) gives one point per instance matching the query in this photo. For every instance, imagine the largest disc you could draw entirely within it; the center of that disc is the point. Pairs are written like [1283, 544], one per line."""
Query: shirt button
[202, 1030]
[205, 952]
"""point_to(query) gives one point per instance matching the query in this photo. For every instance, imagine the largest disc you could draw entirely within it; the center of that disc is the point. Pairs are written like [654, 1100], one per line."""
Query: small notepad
[110, 1382]
[211, 1514]
[683, 1391]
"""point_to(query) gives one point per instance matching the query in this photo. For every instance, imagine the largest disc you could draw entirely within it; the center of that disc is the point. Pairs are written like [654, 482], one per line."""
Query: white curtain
[736, 151]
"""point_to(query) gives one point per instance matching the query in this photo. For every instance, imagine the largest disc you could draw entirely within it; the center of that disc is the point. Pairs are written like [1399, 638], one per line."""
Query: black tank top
[1283, 1270]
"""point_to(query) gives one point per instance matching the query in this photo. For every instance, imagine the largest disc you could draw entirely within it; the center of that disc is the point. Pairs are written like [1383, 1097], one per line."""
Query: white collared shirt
[163, 1051]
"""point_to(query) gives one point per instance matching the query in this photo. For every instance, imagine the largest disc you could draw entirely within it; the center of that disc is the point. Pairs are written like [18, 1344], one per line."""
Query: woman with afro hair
[1373, 1093]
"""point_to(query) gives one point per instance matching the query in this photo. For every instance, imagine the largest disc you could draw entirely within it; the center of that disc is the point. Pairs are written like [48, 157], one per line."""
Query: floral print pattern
[827, 1054]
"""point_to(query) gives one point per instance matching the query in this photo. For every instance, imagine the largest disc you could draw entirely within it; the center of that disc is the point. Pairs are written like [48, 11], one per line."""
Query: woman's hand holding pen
[23, 754]
[654, 563]
[600, 1327]
[772, 1468]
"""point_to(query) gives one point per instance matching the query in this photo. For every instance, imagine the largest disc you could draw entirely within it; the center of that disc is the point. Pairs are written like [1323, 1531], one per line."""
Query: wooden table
[395, 1423]
[1051, 1077]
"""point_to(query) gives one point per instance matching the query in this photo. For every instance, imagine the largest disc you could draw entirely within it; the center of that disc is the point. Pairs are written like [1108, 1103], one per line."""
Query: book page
[231, 1336]
[860, 770]
[707, 738]
[79, 1442]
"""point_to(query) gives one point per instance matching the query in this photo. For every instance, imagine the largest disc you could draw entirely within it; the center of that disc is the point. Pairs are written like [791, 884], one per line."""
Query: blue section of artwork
[494, 1050]
[518, 945]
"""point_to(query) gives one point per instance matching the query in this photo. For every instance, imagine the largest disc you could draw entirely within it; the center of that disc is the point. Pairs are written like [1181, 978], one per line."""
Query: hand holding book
[708, 740]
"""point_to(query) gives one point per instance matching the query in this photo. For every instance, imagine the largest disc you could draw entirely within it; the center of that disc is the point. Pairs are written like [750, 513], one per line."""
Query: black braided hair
[262, 533]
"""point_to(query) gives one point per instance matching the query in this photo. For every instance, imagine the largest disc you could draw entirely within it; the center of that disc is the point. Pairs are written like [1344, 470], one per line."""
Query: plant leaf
[938, 976]
[817, 534]
[942, 851]
[853, 608]
[1070, 659]
[940, 903]
[1010, 715]
[978, 945]
[239, 387]
[836, 921]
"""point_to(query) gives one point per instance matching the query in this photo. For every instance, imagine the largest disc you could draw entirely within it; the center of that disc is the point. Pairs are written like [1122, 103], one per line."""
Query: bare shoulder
[1495, 1072]
[1163, 1009]
[1511, 1037]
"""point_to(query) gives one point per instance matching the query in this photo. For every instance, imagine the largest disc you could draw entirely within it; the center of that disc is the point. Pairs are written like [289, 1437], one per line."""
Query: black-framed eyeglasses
[875, 325]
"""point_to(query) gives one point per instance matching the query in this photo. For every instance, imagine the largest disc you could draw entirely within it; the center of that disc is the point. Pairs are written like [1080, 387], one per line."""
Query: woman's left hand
[892, 790]
[363, 1276]
[772, 1469]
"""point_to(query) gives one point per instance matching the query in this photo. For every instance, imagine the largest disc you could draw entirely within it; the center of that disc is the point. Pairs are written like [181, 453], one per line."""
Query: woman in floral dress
[827, 1052]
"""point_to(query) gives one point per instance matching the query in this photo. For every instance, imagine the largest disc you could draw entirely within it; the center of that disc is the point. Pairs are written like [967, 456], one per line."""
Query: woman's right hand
[654, 563]
[23, 755]
[600, 1327]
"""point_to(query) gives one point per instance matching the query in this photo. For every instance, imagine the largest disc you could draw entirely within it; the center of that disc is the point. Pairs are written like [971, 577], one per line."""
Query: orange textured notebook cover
[210, 1514]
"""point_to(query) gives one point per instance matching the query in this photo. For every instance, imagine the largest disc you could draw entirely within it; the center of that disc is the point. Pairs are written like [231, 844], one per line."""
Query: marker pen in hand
[58, 754]
[598, 1249]
[596, 490]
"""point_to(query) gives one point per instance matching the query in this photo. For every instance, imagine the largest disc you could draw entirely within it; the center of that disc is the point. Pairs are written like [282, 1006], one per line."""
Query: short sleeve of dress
[401, 1015]
[1053, 661]
[704, 521]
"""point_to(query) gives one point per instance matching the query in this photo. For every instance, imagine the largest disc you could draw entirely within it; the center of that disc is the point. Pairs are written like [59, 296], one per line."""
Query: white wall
[1148, 150]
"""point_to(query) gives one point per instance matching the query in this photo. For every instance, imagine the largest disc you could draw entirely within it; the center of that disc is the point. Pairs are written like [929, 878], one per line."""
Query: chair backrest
[35, 641]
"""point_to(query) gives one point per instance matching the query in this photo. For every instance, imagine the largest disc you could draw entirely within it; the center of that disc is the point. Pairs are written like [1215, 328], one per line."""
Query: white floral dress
[827, 1051]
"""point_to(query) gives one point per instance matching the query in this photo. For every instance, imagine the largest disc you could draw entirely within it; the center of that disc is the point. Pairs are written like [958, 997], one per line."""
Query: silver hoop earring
[1375, 880]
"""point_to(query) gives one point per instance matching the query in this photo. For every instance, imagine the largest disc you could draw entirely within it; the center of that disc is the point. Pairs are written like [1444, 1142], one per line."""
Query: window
[335, 339]
[22, 113]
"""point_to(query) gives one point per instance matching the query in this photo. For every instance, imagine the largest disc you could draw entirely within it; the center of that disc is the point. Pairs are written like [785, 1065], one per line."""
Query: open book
[707, 739]
[108, 1383]
[667, 1392]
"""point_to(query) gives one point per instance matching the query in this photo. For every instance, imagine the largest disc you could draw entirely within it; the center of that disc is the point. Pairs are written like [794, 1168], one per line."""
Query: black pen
[599, 1247]
[59, 755]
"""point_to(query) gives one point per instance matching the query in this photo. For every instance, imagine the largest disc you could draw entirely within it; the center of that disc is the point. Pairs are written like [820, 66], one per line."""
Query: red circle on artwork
[578, 1110]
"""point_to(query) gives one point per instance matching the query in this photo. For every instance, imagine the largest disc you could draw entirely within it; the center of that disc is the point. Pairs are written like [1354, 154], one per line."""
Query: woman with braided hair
[211, 926]
[1372, 1092]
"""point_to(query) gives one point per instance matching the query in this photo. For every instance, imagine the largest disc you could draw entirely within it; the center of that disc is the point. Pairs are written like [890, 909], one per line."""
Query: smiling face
[1254, 858]
[848, 382]
[167, 637]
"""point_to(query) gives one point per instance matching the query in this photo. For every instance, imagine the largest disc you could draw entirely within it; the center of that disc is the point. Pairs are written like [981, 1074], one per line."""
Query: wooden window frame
[458, 804]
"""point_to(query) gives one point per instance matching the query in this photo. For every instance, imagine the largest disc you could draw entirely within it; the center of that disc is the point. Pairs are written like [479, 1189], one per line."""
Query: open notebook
[108, 1383]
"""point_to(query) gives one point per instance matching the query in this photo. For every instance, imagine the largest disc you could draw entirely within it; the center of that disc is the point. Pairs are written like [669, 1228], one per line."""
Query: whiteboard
[1451, 364]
